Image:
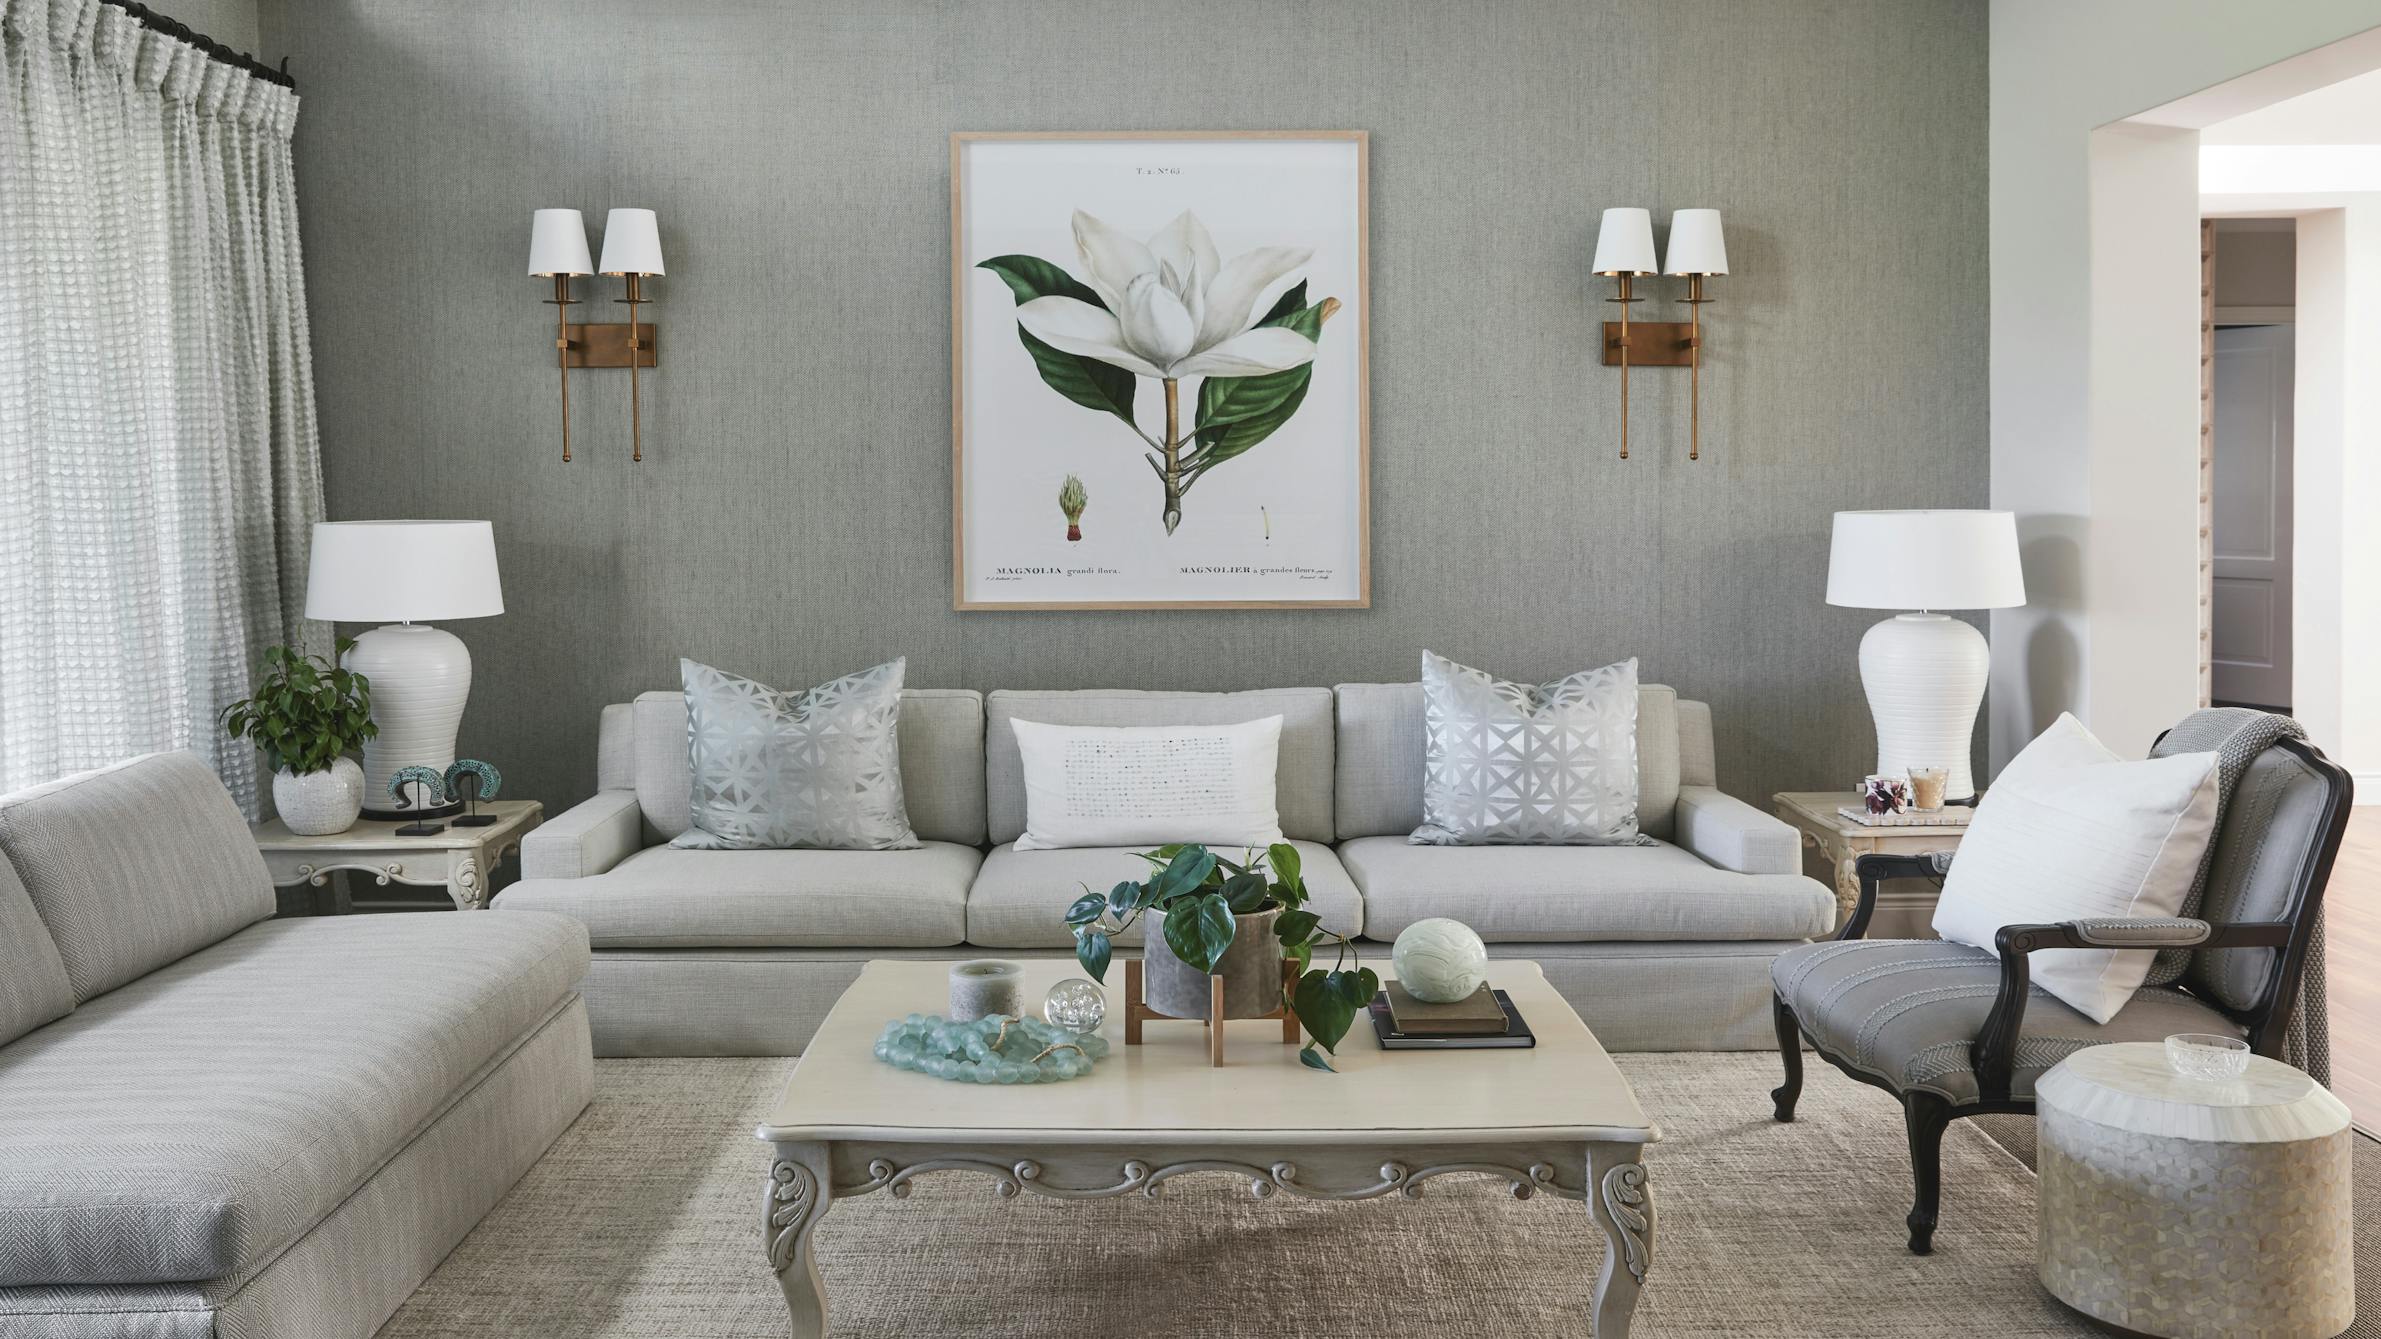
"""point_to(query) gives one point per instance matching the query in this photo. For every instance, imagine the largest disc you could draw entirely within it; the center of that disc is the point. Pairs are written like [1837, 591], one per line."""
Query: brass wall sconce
[632, 251]
[1624, 253]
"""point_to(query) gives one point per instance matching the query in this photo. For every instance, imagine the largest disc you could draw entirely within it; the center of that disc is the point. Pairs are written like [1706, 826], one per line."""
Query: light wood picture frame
[1160, 370]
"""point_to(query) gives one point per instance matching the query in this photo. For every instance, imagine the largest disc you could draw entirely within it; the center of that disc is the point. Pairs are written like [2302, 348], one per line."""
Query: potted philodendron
[306, 715]
[1240, 921]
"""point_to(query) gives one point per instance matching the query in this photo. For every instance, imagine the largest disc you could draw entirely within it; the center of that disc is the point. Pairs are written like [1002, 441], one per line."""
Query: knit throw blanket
[2236, 735]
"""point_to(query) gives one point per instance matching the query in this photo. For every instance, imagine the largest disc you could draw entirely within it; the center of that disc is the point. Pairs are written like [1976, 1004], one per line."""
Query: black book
[1515, 1036]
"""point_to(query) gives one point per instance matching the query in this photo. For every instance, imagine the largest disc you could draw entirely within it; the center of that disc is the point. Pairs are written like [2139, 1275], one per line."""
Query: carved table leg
[1621, 1203]
[796, 1195]
[463, 881]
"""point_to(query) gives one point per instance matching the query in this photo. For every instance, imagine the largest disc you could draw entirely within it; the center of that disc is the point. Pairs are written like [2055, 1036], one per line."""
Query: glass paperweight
[1076, 1005]
[2209, 1057]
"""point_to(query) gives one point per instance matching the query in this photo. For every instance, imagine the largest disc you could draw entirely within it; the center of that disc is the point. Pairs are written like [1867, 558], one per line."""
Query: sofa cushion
[190, 1125]
[1908, 1011]
[1557, 894]
[941, 733]
[135, 865]
[1302, 774]
[1020, 898]
[33, 985]
[667, 898]
[1383, 747]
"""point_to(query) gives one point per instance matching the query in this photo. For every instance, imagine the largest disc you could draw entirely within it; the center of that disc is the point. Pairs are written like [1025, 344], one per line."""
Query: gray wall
[231, 22]
[792, 518]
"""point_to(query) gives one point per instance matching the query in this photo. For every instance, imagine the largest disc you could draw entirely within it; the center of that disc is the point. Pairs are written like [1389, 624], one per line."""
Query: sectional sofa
[214, 1123]
[1663, 947]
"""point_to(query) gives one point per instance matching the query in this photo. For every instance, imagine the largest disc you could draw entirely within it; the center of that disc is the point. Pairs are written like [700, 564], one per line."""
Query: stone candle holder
[983, 987]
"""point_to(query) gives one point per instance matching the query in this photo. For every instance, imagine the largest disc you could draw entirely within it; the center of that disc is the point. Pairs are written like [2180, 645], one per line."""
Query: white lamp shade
[632, 242]
[1925, 560]
[558, 243]
[402, 571]
[1624, 242]
[1696, 246]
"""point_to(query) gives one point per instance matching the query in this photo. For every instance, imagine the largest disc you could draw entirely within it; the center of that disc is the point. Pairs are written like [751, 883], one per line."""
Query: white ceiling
[2348, 112]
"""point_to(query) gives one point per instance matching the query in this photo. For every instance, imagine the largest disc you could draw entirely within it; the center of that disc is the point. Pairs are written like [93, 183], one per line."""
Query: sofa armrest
[586, 839]
[1733, 835]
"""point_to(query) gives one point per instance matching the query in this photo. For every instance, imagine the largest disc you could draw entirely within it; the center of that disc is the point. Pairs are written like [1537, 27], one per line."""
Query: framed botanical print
[1159, 389]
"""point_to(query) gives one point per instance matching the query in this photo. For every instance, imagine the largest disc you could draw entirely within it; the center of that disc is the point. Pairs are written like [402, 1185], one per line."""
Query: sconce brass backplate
[607, 345]
[1651, 344]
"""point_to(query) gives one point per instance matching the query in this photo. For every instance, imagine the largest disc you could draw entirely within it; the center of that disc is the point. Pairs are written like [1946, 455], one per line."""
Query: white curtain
[159, 471]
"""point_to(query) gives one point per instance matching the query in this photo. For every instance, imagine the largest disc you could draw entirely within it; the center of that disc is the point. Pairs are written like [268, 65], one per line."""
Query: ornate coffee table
[1557, 1119]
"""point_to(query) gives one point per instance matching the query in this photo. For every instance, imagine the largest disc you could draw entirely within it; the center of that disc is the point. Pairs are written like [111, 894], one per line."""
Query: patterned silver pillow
[817, 769]
[1516, 764]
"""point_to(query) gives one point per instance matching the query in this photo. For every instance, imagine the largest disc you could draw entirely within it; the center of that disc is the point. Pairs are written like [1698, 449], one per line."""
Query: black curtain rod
[157, 22]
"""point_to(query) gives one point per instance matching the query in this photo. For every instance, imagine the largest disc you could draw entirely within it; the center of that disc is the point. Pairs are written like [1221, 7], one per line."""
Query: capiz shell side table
[2196, 1210]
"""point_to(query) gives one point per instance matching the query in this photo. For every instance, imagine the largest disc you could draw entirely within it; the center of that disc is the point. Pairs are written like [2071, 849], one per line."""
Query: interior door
[2250, 625]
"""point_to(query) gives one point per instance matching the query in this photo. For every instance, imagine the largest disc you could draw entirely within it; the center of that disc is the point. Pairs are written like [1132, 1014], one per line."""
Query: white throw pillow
[2069, 831]
[1089, 785]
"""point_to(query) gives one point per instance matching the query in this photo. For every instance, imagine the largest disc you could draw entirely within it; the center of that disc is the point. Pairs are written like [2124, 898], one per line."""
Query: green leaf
[1300, 956]
[1200, 931]
[1087, 909]
[1236, 413]
[1311, 1060]
[1086, 381]
[1296, 927]
[1124, 897]
[1093, 950]
[1189, 869]
[1283, 859]
[1244, 893]
[1289, 304]
[1324, 1011]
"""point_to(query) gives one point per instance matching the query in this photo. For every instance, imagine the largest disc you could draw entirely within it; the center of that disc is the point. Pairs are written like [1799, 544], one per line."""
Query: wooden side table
[1833, 844]
[459, 860]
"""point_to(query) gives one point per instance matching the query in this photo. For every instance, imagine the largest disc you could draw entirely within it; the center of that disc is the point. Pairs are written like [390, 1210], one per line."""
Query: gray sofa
[213, 1123]
[742, 952]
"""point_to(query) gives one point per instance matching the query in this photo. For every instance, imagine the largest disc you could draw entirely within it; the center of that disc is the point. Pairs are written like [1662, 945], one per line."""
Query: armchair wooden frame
[1994, 1053]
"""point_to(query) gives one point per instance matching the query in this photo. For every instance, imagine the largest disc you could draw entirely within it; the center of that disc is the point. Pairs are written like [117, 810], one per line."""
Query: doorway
[2249, 509]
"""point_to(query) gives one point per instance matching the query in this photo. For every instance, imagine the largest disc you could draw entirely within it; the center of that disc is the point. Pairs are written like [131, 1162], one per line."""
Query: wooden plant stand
[1137, 1010]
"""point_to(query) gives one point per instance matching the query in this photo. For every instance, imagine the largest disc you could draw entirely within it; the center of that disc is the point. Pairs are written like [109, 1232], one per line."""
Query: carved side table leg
[463, 881]
[796, 1195]
[1621, 1203]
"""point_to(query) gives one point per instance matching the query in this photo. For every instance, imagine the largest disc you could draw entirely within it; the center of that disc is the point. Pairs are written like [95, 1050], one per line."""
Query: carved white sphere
[1439, 961]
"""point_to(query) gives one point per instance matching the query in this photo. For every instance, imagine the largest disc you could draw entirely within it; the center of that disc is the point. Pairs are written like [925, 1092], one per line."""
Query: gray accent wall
[791, 520]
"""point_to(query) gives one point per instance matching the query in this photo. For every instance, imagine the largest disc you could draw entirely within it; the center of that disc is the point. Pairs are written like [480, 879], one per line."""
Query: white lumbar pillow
[2069, 831]
[1088, 785]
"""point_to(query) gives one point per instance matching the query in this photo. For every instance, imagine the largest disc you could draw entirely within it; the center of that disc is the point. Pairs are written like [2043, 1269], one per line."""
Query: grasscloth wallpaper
[791, 520]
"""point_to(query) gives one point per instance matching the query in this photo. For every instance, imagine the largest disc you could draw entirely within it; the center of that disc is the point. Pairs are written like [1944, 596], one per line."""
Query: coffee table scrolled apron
[2195, 1210]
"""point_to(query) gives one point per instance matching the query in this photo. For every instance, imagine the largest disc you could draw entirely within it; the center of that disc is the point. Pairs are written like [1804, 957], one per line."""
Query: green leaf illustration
[1236, 413]
[1086, 381]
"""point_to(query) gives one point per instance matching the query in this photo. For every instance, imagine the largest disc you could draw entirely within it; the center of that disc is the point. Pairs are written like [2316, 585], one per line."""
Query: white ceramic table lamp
[397, 573]
[1924, 671]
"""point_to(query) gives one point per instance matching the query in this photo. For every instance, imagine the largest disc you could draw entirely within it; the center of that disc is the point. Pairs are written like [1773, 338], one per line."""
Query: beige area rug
[644, 1221]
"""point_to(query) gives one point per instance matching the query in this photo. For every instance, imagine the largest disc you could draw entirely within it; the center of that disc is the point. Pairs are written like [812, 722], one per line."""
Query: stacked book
[1484, 1019]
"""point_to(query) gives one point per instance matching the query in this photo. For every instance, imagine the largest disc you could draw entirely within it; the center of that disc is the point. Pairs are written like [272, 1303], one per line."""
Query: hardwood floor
[2352, 926]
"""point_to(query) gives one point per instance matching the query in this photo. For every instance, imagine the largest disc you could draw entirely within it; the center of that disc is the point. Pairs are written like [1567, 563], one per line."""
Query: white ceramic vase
[317, 804]
[1925, 676]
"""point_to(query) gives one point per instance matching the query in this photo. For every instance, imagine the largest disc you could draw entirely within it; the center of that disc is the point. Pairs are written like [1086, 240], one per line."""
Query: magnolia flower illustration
[1170, 309]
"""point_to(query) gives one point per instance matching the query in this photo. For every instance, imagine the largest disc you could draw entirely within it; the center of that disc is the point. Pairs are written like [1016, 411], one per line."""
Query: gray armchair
[1951, 1030]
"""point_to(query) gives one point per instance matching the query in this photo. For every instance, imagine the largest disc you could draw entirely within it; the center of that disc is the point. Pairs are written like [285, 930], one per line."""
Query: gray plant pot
[1251, 970]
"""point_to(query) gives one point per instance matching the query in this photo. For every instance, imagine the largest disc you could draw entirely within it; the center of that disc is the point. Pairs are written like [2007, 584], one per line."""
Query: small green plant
[306, 712]
[1200, 893]
[1071, 502]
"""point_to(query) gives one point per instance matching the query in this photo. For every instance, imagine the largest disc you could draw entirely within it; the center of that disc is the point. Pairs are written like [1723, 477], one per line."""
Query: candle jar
[981, 988]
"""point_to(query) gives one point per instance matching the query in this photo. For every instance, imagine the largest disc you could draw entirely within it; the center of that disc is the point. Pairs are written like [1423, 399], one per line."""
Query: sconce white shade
[1624, 242]
[558, 243]
[402, 571]
[1925, 560]
[632, 242]
[1696, 246]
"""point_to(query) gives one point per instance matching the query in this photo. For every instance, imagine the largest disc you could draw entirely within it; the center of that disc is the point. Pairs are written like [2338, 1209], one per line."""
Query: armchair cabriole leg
[1927, 1116]
[1789, 1045]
